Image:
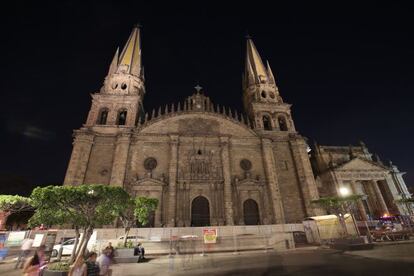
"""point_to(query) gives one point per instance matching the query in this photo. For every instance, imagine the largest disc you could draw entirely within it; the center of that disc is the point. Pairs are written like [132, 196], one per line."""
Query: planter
[125, 255]
[54, 273]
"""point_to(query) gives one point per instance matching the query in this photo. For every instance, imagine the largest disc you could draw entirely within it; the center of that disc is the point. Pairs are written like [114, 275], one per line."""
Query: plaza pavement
[391, 259]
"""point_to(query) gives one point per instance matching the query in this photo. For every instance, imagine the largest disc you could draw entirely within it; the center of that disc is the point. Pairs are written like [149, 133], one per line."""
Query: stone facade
[207, 164]
[353, 168]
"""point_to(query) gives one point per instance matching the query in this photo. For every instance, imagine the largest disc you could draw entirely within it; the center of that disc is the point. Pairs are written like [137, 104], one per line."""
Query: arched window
[103, 116]
[267, 125]
[282, 123]
[122, 115]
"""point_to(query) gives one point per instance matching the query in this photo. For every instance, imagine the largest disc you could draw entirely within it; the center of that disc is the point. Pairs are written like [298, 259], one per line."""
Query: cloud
[34, 132]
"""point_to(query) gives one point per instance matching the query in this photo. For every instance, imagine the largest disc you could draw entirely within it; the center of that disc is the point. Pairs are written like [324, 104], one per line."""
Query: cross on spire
[198, 88]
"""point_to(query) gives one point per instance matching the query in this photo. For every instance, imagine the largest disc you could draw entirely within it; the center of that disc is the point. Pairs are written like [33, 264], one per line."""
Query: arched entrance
[200, 212]
[251, 212]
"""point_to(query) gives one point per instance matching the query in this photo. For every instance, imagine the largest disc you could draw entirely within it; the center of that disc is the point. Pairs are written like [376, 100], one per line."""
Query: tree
[408, 203]
[138, 209]
[339, 206]
[84, 207]
[13, 204]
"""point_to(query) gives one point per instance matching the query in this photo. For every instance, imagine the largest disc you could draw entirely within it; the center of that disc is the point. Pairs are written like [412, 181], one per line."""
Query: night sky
[347, 71]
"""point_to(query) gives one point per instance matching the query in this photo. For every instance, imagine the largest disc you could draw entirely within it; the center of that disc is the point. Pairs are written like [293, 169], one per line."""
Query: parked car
[70, 243]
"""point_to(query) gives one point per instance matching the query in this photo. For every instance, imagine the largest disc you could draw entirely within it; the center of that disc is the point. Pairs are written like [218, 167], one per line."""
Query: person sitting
[139, 251]
[111, 251]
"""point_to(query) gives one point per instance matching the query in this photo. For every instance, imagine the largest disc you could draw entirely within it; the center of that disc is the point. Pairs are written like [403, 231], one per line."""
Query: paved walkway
[383, 260]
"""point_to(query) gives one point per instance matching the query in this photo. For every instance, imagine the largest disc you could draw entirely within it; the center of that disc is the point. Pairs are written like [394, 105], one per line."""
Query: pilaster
[79, 159]
[228, 200]
[120, 159]
[272, 180]
[305, 175]
[172, 189]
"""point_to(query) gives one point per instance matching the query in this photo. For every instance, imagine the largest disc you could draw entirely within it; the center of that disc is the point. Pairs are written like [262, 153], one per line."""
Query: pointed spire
[159, 111]
[242, 118]
[166, 109]
[255, 69]
[172, 108]
[130, 58]
[114, 63]
[218, 108]
[153, 113]
[179, 107]
[146, 117]
[270, 73]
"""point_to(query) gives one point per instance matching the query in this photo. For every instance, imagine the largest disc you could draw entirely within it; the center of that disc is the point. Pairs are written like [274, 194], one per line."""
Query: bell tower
[119, 101]
[113, 115]
[262, 102]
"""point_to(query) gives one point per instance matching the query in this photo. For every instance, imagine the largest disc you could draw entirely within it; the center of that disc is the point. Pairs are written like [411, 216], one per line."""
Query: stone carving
[201, 165]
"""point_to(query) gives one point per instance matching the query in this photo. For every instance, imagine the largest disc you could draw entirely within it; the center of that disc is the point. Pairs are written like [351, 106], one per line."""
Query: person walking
[104, 263]
[36, 263]
[92, 268]
[24, 252]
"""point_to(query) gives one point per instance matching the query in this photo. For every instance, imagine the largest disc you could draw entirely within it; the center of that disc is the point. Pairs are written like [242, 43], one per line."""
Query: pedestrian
[24, 252]
[92, 268]
[36, 263]
[104, 262]
[78, 268]
[111, 251]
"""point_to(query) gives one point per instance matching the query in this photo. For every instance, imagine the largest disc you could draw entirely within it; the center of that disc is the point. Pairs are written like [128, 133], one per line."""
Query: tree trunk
[342, 222]
[3, 221]
[127, 229]
[86, 238]
[73, 254]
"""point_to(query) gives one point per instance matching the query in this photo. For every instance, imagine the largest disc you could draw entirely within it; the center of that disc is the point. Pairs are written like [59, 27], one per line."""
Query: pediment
[359, 164]
[149, 182]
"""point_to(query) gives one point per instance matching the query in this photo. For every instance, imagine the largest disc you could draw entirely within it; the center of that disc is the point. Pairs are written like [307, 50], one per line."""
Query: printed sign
[210, 235]
[38, 239]
[15, 238]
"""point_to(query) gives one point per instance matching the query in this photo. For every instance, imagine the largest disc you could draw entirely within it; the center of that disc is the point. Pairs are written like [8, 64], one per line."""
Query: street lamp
[344, 191]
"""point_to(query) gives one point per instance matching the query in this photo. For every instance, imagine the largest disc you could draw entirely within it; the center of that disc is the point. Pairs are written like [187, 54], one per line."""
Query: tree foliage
[14, 204]
[143, 208]
[339, 206]
[136, 209]
[406, 200]
[83, 207]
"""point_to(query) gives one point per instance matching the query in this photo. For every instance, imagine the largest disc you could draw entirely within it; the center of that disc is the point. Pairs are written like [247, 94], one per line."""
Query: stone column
[120, 159]
[82, 146]
[228, 200]
[272, 181]
[172, 189]
[380, 198]
[305, 175]
[361, 207]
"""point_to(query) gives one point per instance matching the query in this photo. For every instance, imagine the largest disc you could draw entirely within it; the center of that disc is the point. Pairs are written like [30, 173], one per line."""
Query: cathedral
[210, 165]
